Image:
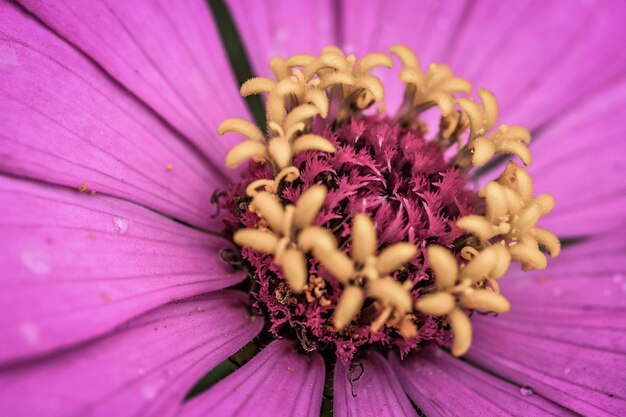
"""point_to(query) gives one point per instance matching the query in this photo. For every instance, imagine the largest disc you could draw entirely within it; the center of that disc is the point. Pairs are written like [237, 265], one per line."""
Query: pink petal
[587, 276]
[579, 160]
[143, 368]
[75, 266]
[271, 28]
[564, 337]
[443, 386]
[376, 393]
[169, 56]
[541, 58]
[67, 123]
[277, 382]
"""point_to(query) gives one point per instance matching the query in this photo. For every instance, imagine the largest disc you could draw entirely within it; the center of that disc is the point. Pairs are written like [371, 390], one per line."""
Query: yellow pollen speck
[105, 297]
[169, 167]
[83, 187]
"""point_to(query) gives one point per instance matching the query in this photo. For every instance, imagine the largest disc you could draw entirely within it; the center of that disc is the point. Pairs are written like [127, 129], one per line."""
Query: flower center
[363, 230]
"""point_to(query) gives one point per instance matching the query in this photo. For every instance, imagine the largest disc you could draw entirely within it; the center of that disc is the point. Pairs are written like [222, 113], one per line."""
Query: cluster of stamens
[332, 90]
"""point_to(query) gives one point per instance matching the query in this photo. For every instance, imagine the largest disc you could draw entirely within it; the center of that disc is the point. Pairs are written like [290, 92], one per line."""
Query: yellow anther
[257, 85]
[270, 209]
[391, 293]
[371, 61]
[437, 304]
[241, 126]
[300, 60]
[462, 329]
[363, 238]
[258, 240]
[279, 68]
[319, 99]
[279, 149]
[348, 307]
[490, 108]
[406, 55]
[301, 114]
[394, 257]
[245, 150]
[475, 114]
[317, 239]
[444, 266]
[337, 78]
[308, 205]
[294, 267]
[337, 263]
[312, 143]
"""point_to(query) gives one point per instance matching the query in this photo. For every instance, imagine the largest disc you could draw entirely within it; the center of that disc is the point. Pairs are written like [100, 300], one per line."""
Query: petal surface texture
[475, 39]
[564, 336]
[438, 383]
[74, 266]
[143, 368]
[271, 28]
[276, 382]
[375, 392]
[67, 122]
[171, 58]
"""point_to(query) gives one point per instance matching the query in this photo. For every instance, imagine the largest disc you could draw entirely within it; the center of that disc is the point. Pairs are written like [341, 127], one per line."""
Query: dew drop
[36, 261]
[30, 333]
[120, 224]
[566, 371]
[148, 392]
[526, 391]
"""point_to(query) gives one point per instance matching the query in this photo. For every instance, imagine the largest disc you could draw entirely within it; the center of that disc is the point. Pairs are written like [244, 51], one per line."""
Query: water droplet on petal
[36, 261]
[30, 332]
[566, 371]
[120, 224]
[526, 391]
[148, 392]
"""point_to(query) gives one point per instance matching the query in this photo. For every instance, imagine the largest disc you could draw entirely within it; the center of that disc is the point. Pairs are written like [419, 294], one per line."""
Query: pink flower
[113, 296]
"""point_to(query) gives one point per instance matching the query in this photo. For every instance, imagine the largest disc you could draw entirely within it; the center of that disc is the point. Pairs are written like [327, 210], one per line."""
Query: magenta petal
[65, 122]
[143, 368]
[444, 386]
[495, 44]
[377, 392]
[541, 57]
[170, 56]
[587, 380]
[564, 337]
[589, 276]
[74, 266]
[272, 28]
[277, 382]
[579, 160]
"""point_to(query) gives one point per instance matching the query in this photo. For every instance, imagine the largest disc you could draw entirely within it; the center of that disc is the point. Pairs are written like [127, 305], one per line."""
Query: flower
[113, 298]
